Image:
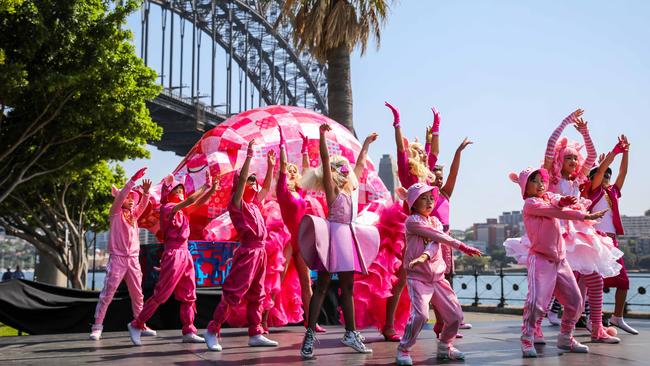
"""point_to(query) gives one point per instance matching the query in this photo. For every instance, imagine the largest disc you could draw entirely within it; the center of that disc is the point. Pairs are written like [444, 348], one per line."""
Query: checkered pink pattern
[223, 150]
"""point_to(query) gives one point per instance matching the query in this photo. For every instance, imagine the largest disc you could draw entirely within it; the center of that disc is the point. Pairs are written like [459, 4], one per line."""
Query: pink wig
[563, 148]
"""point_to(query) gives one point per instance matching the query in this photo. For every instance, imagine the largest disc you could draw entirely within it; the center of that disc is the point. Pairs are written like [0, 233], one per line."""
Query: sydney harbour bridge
[216, 58]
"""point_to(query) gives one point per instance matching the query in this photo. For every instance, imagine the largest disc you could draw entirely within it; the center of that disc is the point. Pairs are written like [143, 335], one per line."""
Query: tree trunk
[339, 87]
[46, 271]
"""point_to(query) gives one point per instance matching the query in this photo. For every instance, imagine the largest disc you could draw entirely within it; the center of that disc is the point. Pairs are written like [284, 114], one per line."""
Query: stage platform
[494, 340]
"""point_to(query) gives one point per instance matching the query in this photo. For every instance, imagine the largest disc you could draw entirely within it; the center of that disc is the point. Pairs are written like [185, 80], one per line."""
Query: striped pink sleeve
[589, 145]
[550, 145]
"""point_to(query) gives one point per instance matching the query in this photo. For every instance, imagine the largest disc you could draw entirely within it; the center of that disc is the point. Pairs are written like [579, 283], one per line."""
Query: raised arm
[208, 193]
[425, 230]
[399, 139]
[434, 132]
[622, 171]
[238, 192]
[448, 188]
[581, 126]
[121, 196]
[268, 178]
[144, 200]
[305, 152]
[597, 179]
[328, 183]
[199, 194]
[540, 208]
[550, 145]
[363, 154]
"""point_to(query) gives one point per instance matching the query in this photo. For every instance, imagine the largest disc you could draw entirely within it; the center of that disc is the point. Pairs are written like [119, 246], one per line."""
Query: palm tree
[330, 30]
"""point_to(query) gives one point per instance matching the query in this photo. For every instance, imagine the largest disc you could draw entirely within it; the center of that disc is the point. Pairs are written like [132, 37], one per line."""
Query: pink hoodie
[124, 239]
[425, 235]
[541, 216]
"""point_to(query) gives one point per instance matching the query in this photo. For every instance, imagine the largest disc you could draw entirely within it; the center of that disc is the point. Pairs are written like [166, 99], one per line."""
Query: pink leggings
[546, 278]
[120, 268]
[177, 278]
[442, 297]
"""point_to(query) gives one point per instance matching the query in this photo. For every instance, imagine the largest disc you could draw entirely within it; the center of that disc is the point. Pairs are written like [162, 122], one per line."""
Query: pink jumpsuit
[549, 272]
[246, 277]
[124, 250]
[176, 271]
[426, 282]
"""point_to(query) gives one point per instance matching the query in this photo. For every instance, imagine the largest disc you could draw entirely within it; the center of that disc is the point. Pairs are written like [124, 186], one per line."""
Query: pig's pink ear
[514, 177]
[114, 190]
[402, 193]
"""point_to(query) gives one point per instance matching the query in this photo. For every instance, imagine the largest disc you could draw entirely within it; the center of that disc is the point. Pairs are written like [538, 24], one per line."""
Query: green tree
[72, 90]
[499, 258]
[45, 212]
[330, 30]
[475, 263]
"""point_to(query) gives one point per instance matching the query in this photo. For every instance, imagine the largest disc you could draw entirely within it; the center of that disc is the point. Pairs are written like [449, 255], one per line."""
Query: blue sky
[504, 73]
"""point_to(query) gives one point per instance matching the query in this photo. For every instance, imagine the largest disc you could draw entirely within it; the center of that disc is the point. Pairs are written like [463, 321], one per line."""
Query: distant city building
[491, 232]
[387, 173]
[636, 225]
[514, 221]
[147, 237]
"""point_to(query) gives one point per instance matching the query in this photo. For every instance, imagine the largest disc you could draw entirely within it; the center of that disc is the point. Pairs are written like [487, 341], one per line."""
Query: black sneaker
[307, 349]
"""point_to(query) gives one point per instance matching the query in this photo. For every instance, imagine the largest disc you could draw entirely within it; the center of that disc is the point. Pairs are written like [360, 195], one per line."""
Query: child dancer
[247, 274]
[351, 248]
[293, 206]
[604, 195]
[176, 264]
[548, 269]
[591, 255]
[124, 251]
[425, 274]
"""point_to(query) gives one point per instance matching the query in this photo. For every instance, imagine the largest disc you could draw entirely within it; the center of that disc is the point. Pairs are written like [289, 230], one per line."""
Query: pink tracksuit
[176, 271]
[426, 282]
[124, 250]
[549, 272]
[246, 277]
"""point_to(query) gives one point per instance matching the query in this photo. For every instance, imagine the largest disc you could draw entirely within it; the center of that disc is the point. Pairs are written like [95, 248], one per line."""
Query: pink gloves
[395, 114]
[471, 251]
[139, 174]
[282, 140]
[305, 143]
[435, 128]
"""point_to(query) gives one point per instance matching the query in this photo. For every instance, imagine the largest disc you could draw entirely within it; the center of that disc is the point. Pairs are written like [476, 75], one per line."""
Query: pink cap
[169, 183]
[415, 191]
[522, 178]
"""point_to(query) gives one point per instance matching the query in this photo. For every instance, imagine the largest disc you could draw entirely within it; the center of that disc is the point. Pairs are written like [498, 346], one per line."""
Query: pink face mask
[250, 191]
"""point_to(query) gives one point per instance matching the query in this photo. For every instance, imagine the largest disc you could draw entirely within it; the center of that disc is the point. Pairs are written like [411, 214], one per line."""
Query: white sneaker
[403, 358]
[192, 338]
[568, 343]
[620, 323]
[261, 341]
[553, 318]
[464, 325]
[527, 348]
[601, 336]
[353, 340]
[148, 332]
[212, 341]
[134, 333]
[449, 352]
[96, 332]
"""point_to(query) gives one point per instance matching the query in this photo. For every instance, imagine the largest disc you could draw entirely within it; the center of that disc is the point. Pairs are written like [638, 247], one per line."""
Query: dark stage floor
[494, 340]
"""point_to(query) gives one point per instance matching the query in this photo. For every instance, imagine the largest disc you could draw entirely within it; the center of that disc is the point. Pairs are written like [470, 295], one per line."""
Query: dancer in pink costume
[293, 206]
[247, 274]
[549, 272]
[592, 256]
[338, 244]
[441, 209]
[124, 251]
[426, 274]
[176, 264]
[379, 296]
[604, 195]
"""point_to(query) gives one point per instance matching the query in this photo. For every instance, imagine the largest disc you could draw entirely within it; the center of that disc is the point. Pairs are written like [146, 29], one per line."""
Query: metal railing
[503, 287]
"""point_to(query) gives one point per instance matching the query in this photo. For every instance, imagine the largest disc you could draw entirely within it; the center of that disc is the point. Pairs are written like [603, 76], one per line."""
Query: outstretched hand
[466, 142]
[419, 260]
[271, 158]
[580, 124]
[395, 111]
[139, 174]
[596, 215]
[435, 127]
[371, 138]
[470, 251]
[146, 184]
[567, 201]
[324, 128]
[305, 142]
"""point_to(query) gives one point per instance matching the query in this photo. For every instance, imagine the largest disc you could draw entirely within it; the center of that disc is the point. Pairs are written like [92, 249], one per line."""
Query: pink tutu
[587, 251]
[373, 289]
[518, 248]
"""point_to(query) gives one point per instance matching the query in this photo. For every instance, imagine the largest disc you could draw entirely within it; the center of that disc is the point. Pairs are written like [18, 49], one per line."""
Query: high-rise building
[147, 237]
[491, 232]
[636, 225]
[387, 173]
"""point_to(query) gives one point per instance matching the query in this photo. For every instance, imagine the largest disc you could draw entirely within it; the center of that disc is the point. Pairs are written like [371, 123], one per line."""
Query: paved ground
[494, 340]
